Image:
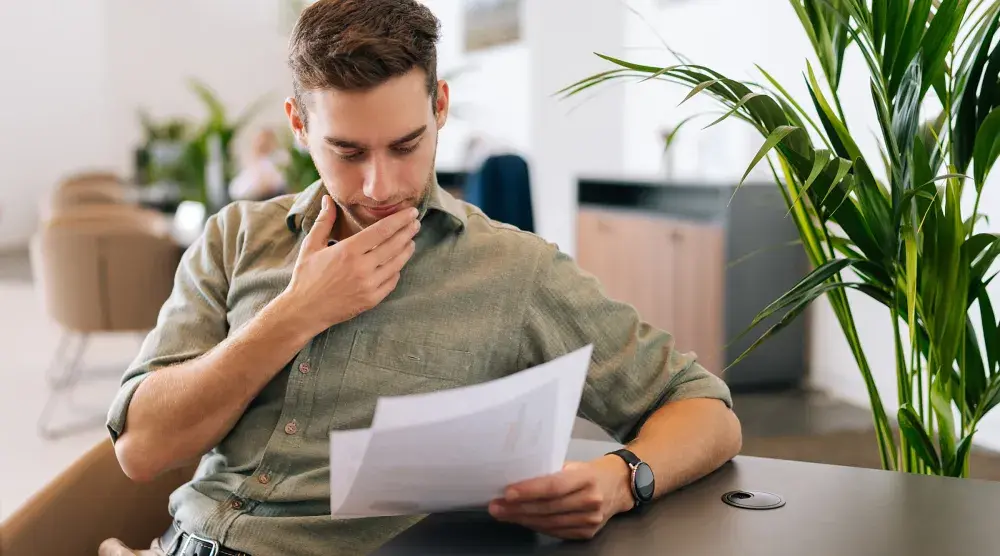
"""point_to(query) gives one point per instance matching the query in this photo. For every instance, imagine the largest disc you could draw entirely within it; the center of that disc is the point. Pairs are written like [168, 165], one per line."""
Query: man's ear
[442, 103]
[295, 121]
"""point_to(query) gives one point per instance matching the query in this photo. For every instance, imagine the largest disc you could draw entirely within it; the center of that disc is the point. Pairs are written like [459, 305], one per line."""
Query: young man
[290, 317]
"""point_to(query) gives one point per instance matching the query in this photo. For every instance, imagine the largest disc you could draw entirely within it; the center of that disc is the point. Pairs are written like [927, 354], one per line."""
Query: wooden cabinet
[669, 269]
[700, 261]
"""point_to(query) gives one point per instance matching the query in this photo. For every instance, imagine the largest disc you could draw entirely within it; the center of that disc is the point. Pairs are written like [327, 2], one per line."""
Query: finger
[387, 286]
[393, 266]
[317, 237]
[376, 234]
[396, 244]
[552, 486]
[585, 500]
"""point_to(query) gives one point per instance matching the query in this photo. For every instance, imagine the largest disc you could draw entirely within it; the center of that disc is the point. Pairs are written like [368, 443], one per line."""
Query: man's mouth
[384, 210]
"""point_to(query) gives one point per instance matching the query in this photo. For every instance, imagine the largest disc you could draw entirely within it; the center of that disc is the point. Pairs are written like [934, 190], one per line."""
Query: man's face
[374, 149]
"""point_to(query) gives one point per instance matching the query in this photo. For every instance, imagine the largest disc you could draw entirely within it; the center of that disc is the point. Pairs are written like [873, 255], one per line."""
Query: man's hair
[355, 45]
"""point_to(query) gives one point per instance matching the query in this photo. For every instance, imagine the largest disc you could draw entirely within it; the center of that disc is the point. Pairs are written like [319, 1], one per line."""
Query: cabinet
[700, 263]
[668, 269]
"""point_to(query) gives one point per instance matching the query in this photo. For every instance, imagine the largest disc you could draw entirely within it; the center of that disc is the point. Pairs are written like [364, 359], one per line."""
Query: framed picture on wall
[490, 23]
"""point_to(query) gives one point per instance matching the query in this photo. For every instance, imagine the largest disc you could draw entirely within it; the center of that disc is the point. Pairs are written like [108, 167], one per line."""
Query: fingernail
[512, 495]
[326, 202]
[414, 212]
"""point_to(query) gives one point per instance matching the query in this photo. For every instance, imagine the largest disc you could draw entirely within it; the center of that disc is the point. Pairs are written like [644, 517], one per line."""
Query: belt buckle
[210, 542]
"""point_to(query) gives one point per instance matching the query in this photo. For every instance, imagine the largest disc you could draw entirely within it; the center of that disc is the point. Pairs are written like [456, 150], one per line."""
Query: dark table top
[828, 511]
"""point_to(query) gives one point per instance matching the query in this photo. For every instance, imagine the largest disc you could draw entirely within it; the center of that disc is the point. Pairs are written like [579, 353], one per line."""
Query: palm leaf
[987, 148]
[917, 438]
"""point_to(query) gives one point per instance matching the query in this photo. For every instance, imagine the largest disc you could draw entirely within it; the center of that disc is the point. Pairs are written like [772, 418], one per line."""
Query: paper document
[458, 448]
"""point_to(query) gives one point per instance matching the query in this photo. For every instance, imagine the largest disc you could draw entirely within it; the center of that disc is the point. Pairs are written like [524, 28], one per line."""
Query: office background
[75, 74]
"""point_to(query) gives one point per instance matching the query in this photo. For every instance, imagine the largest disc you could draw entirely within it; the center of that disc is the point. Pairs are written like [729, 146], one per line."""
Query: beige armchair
[87, 503]
[89, 177]
[86, 194]
[99, 269]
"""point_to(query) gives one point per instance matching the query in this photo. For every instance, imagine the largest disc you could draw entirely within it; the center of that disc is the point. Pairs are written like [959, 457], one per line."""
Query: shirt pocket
[380, 365]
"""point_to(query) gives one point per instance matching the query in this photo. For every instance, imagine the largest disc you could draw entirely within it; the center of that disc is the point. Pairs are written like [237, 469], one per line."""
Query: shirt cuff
[703, 385]
[119, 407]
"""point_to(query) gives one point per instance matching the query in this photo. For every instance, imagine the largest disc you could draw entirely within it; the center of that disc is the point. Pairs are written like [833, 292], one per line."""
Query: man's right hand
[335, 284]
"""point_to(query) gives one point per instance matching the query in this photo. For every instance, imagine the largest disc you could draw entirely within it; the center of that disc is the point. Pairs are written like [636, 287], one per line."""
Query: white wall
[759, 32]
[53, 103]
[490, 93]
[571, 138]
[236, 47]
[75, 76]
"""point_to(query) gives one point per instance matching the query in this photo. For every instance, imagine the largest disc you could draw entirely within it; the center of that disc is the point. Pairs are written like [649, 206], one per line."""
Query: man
[290, 317]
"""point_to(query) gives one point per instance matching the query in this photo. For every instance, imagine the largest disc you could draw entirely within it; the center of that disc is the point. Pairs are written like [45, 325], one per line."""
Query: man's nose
[377, 184]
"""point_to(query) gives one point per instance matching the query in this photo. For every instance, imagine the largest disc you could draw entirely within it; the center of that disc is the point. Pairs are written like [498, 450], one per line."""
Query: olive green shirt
[478, 300]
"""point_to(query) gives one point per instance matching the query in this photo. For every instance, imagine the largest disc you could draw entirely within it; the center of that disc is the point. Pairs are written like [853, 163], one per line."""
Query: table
[829, 511]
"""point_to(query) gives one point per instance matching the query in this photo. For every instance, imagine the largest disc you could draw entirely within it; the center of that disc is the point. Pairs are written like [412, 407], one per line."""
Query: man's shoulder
[257, 215]
[481, 227]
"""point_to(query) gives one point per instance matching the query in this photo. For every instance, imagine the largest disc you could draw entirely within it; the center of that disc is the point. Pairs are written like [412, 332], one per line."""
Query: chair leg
[57, 372]
[60, 385]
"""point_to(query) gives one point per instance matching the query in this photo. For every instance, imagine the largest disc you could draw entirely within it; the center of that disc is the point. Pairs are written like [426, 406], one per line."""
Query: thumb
[321, 228]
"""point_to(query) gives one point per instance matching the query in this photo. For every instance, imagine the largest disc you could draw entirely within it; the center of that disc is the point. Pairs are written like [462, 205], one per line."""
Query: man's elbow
[732, 435]
[136, 461]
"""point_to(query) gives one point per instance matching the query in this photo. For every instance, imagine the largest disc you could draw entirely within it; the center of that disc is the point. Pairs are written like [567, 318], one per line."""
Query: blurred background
[134, 120]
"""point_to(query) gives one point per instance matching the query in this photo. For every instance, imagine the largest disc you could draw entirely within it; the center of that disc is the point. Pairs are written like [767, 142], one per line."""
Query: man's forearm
[682, 442]
[179, 413]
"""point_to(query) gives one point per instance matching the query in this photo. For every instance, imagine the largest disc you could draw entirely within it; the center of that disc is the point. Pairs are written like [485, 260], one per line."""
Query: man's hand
[575, 503]
[335, 284]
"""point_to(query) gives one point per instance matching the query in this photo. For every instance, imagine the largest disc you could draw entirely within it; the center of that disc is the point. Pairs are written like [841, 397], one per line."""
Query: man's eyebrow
[347, 144]
[409, 136]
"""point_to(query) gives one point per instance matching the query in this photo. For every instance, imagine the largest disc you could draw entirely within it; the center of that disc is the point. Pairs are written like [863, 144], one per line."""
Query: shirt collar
[306, 207]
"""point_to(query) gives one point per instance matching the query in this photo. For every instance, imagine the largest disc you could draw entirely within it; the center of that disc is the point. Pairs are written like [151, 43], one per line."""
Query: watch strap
[627, 455]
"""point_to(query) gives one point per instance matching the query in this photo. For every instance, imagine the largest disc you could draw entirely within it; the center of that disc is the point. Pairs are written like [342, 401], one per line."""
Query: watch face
[644, 484]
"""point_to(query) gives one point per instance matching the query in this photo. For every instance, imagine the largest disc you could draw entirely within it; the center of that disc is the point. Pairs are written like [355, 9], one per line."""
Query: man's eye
[405, 149]
[355, 155]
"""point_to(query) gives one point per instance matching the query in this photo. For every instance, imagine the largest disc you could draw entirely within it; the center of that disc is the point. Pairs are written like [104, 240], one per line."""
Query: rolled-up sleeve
[635, 368]
[192, 321]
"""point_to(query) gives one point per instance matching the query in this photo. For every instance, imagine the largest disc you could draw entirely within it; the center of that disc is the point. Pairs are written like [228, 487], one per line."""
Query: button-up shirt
[477, 301]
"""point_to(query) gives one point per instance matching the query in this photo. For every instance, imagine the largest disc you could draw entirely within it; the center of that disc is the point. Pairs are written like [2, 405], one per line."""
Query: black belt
[176, 542]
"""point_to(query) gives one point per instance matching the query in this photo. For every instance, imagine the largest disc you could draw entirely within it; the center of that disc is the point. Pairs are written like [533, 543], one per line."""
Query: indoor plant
[211, 145]
[902, 239]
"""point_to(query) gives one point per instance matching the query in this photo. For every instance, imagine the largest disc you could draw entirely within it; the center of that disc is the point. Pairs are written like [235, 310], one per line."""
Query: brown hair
[360, 44]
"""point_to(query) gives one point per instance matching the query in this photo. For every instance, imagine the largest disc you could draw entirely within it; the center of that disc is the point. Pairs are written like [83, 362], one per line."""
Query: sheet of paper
[457, 448]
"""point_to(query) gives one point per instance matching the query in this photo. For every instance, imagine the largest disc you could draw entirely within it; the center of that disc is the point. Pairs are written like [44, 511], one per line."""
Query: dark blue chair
[501, 188]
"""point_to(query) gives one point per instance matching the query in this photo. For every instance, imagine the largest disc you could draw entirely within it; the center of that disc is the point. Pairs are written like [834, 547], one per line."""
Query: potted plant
[297, 167]
[902, 239]
[208, 165]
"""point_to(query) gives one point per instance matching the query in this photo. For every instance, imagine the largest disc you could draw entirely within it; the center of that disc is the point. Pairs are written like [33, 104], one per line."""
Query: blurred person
[290, 317]
[261, 178]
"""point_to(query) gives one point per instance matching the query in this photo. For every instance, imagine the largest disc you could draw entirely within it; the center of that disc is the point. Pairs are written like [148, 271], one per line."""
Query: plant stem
[904, 380]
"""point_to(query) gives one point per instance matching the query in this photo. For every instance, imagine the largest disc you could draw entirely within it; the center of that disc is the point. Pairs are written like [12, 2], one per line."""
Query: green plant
[903, 239]
[298, 168]
[197, 151]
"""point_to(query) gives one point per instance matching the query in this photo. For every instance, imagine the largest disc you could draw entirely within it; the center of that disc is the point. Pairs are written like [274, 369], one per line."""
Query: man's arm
[182, 410]
[669, 410]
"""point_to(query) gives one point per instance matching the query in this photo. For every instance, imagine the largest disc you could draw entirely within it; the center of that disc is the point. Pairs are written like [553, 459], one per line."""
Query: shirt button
[292, 427]
[304, 368]
[236, 504]
[264, 478]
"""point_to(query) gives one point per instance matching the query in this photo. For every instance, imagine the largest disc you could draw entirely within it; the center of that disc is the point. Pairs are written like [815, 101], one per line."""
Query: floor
[772, 421]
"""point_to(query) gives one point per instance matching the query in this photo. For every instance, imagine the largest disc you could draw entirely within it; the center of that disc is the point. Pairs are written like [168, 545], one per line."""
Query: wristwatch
[643, 483]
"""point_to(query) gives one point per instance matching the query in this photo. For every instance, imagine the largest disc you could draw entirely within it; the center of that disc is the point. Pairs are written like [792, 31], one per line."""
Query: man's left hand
[574, 503]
